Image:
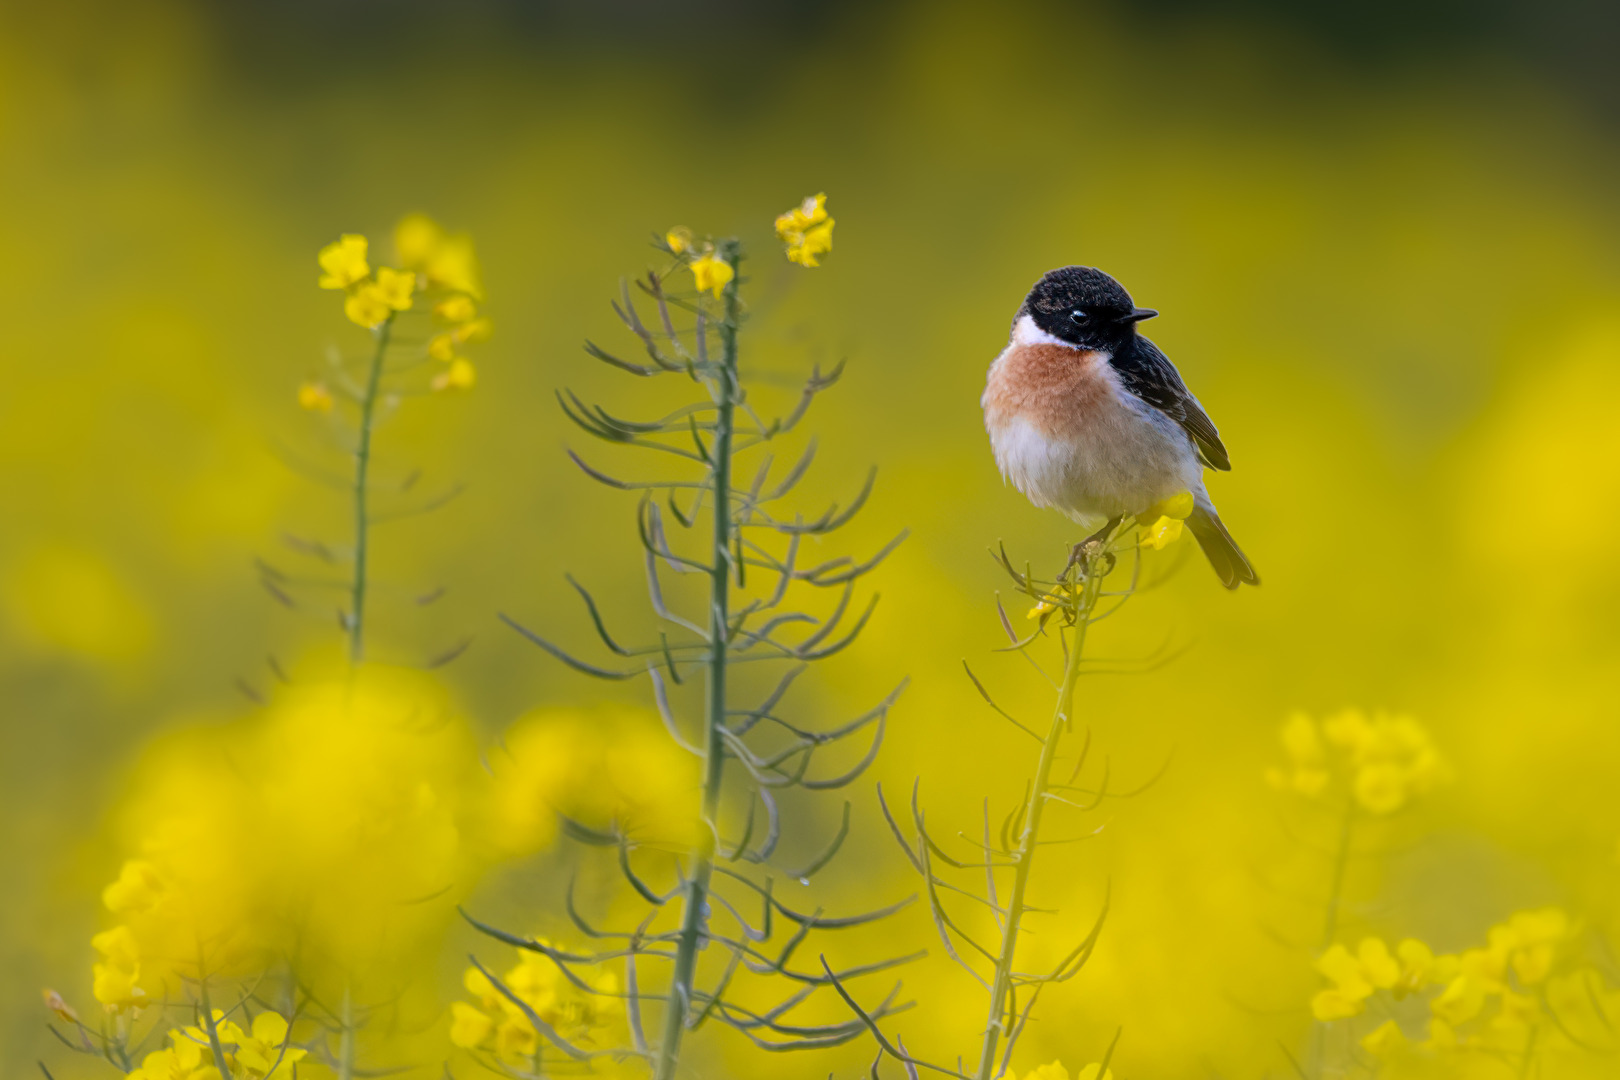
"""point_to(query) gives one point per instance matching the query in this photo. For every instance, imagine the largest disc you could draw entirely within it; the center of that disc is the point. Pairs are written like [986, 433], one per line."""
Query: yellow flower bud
[457, 309]
[461, 375]
[315, 397]
[679, 239]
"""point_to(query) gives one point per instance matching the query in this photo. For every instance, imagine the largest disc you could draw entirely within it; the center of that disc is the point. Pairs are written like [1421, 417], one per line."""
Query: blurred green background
[1386, 248]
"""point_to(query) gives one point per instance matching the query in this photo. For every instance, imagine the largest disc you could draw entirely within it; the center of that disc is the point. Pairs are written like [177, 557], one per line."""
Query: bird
[1087, 416]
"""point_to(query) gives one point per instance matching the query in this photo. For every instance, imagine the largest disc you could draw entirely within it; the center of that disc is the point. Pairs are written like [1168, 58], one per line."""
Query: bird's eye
[1078, 316]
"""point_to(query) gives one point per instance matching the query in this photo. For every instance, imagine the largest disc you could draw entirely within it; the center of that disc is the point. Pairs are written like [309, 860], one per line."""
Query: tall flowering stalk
[426, 311]
[243, 924]
[1065, 608]
[749, 559]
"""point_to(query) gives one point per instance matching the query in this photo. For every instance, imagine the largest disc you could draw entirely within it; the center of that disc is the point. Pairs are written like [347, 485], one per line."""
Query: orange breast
[1053, 387]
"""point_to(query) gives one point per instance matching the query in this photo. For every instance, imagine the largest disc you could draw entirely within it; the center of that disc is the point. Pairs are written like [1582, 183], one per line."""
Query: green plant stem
[696, 901]
[345, 1068]
[1024, 856]
[362, 479]
[1341, 863]
[213, 1030]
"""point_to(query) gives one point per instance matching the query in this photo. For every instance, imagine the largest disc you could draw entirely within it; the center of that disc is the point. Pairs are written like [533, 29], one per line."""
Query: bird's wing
[1149, 374]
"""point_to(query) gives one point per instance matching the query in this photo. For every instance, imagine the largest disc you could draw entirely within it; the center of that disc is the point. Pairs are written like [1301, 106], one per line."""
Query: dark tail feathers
[1230, 564]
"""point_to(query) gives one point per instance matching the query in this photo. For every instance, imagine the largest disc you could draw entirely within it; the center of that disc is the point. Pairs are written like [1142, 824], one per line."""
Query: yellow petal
[711, 274]
[460, 375]
[344, 262]
[367, 307]
[416, 238]
[679, 239]
[469, 1027]
[395, 287]
[1383, 1039]
[1163, 532]
[1378, 967]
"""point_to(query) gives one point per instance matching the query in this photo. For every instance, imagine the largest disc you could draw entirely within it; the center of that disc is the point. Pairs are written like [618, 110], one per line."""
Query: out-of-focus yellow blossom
[1535, 937]
[603, 765]
[473, 332]
[1516, 1016]
[679, 239]
[711, 273]
[114, 978]
[395, 288]
[1461, 1000]
[806, 230]
[469, 1026]
[498, 1023]
[456, 309]
[1053, 1071]
[59, 1006]
[447, 261]
[1421, 968]
[1385, 1039]
[264, 1049]
[225, 1030]
[351, 813]
[460, 375]
[1355, 977]
[315, 397]
[185, 1060]
[344, 262]
[138, 889]
[367, 306]
[1385, 760]
[442, 347]
[1442, 1036]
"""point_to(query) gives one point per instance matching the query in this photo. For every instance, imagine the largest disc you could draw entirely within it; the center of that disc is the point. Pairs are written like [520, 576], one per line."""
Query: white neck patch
[1025, 332]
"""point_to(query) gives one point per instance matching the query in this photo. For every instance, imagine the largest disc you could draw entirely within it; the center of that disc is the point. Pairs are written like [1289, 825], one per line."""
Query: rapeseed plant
[722, 852]
[287, 867]
[1066, 607]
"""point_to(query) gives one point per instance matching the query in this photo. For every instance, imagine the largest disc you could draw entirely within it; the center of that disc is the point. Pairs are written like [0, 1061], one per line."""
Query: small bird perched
[1088, 416]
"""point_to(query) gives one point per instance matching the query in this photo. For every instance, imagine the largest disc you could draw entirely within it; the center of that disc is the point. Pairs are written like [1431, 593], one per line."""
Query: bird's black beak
[1139, 314]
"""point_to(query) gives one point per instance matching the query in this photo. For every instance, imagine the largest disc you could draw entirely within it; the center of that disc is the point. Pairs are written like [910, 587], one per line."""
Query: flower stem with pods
[721, 903]
[696, 900]
[1071, 602]
[1001, 1020]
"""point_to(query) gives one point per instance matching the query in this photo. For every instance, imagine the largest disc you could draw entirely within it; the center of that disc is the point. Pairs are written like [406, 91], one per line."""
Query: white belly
[1121, 458]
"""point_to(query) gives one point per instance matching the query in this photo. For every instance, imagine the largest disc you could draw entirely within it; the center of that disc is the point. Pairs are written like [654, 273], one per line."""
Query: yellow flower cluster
[1385, 759]
[261, 1050]
[185, 1060]
[1161, 523]
[1520, 957]
[311, 827]
[806, 230]
[497, 1024]
[432, 261]
[1056, 1071]
[369, 300]
[710, 273]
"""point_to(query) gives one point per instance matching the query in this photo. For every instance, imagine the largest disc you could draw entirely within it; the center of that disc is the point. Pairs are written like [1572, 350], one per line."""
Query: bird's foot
[1092, 545]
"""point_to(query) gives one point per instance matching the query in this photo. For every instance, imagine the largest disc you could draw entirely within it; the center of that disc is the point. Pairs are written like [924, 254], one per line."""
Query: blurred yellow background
[1393, 279]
